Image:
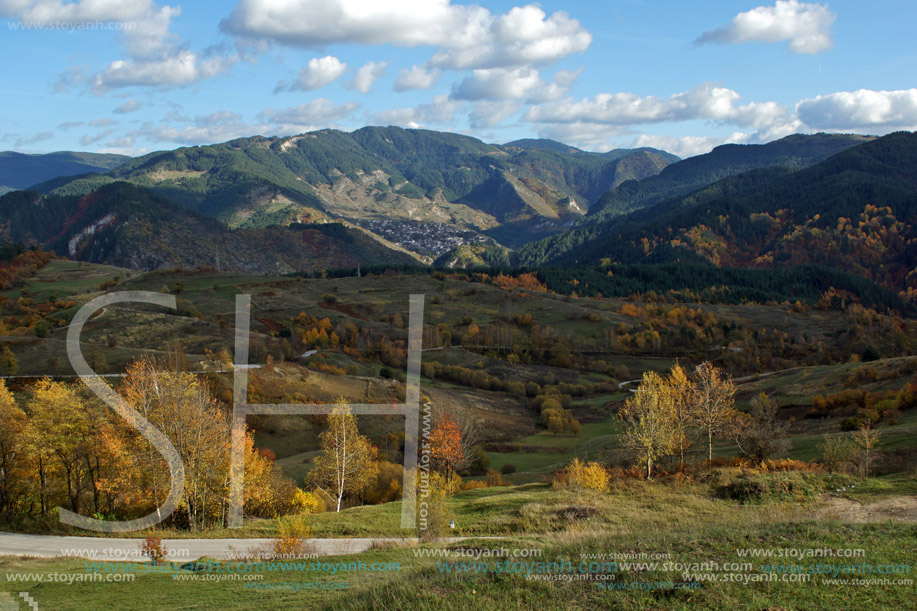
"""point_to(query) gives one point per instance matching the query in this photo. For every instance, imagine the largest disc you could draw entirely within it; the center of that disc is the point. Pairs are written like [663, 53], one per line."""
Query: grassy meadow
[699, 515]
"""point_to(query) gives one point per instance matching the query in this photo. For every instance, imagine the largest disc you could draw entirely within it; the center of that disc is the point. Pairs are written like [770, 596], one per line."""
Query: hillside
[855, 212]
[380, 172]
[18, 170]
[684, 177]
[129, 226]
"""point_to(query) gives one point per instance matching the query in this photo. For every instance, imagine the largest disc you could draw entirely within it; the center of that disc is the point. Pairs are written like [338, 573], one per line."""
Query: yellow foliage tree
[13, 453]
[347, 460]
[682, 389]
[713, 398]
[649, 415]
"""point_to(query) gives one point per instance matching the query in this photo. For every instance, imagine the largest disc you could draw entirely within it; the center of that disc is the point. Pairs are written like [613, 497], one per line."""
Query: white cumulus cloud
[861, 109]
[46, 11]
[584, 135]
[487, 114]
[440, 111]
[688, 146]
[465, 36]
[706, 101]
[512, 84]
[319, 113]
[218, 126]
[806, 26]
[155, 57]
[320, 71]
[498, 84]
[183, 68]
[367, 75]
[417, 77]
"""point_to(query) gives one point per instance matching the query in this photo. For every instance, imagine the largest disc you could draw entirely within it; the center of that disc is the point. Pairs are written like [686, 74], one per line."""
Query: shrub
[291, 543]
[433, 514]
[308, 502]
[494, 479]
[751, 487]
[386, 486]
[480, 461]
[850, 424]
[153, 548]
[583, 476]
[507, 469]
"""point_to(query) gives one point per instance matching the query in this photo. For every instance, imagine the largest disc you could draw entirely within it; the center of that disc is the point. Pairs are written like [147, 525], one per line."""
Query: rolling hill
[129, 226]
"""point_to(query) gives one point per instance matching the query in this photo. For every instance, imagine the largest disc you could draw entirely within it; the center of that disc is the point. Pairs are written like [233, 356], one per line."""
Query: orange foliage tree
[445, 444]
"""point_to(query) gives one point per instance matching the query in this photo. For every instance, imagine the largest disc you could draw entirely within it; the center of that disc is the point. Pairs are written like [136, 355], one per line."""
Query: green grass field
[682, 521]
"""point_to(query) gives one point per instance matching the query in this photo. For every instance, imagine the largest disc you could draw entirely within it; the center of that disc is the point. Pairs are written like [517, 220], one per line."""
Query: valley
[790, 282]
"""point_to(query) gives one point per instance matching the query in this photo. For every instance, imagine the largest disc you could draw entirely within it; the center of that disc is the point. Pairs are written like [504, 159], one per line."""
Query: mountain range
[855, 211]
[514, 193]
[792, 153]
[844, 202]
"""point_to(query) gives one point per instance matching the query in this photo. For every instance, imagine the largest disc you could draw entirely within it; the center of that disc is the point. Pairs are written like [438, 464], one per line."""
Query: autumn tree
[267, 493]
[682, 389]
[760, 433]
[13, 453]
[866, 439]
[67, 448]
[649, 415]
[182, 407]
[445, 444]
[346, 463]
[8, 362]
[713, 397]
[59, 429]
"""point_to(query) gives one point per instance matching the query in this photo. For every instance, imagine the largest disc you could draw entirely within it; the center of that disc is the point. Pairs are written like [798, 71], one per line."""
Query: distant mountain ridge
[680, 179]
[20, 170]
[547, 144]
[379, 172]
[855, 212]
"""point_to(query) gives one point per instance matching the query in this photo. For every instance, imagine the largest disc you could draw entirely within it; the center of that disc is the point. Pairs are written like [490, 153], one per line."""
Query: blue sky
[133, 76]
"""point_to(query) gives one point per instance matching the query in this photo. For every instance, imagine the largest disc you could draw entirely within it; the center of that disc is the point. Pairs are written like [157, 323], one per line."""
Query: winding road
[128, 550]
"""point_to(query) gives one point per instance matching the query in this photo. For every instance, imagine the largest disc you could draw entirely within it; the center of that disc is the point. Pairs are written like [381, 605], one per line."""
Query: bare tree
[867, 439]
[760, 433]
[713, 398]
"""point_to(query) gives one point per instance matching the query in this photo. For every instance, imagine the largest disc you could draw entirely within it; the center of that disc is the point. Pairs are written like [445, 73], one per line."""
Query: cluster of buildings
[431, 239]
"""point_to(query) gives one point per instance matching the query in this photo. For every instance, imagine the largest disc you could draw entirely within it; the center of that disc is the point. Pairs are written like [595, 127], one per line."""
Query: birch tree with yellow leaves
[650, 419]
